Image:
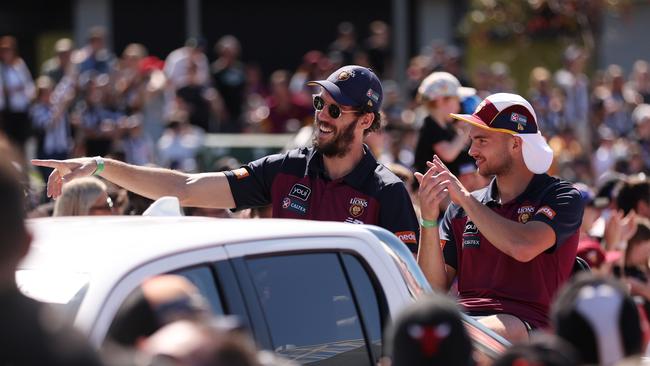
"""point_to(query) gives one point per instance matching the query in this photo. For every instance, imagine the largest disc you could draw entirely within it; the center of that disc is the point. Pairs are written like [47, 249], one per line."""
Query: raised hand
[443, 176]
[65, 170]
[430, 194]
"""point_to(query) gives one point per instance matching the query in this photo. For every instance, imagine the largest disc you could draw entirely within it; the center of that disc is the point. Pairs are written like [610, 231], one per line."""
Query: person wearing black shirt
[441, 93]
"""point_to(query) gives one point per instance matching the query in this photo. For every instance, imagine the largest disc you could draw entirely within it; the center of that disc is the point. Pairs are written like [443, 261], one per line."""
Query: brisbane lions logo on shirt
[357, 206]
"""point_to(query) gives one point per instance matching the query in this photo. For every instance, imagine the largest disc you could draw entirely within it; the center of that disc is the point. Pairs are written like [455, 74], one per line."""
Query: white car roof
[86, 244]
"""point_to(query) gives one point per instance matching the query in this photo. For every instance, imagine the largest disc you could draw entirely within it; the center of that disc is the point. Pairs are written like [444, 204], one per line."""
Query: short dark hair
[631, 193]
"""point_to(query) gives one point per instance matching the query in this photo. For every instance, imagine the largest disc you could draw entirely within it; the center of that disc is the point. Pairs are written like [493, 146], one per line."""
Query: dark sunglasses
[333, 109]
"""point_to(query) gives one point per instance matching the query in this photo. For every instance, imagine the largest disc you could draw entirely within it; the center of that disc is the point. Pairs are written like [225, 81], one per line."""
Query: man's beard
[340, 144]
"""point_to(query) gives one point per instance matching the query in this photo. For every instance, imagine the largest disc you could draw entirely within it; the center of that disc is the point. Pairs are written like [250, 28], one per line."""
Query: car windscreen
[63, 291]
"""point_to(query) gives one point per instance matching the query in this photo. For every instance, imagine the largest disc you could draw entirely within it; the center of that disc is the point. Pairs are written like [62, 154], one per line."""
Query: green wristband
[428, 223]
[100, 165]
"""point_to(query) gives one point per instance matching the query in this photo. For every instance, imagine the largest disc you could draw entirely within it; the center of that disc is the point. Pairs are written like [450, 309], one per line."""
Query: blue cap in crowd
[354, 86]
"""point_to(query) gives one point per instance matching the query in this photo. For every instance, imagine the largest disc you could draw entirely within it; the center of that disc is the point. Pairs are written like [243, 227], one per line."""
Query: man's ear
[517, 143]
[366, 120]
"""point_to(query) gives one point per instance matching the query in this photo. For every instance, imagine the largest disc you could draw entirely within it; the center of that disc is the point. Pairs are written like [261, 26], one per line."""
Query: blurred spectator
[50, 122]
[179, 144]
[617, 103]
[378, 48]
[598, 318]
[229, 78]
[429, 333]
[544, 350]
[345, 43]
[634, 195]
[196, 99]
[95, 56]
[16, 93]
[500, 81]
[158, 301]
[287, 111]
[32, 334]
[127, 76]
[636, 271]
[575, 89]
[640, 80]
[641, 119]
[137, 204]
[137, 146]
[99, 124]
[188, 63]
[545, 102]
[84, 196]
[308, 70]
[149, 100]
[440, 94]
[589, 247]
[61, 64]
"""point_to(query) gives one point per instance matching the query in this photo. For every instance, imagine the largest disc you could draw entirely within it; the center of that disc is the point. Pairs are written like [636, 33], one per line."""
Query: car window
[309, 308]
[203, 279]
[368, 300]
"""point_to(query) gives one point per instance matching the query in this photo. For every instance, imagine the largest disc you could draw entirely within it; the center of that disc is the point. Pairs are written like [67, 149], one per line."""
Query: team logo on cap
[357, 206]
[345, 75]
[372, 95]
[519, 119]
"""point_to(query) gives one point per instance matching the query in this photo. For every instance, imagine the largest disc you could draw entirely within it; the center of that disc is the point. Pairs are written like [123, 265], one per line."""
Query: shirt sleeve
[561, 208]
[398, 216]
[447, 240]
[251, 184]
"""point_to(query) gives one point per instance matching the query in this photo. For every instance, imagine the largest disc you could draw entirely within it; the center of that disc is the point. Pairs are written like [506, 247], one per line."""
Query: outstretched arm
[198, 190]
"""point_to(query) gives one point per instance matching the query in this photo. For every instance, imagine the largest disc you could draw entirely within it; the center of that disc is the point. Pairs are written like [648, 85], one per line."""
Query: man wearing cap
[337, 179]
[512, 244]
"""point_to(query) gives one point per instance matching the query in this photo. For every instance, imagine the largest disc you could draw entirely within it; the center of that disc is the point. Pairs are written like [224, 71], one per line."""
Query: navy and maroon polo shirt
[490, 281]
[297, 186]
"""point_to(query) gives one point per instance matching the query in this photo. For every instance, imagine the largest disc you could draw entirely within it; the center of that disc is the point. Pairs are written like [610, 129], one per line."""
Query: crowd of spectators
[86, 101]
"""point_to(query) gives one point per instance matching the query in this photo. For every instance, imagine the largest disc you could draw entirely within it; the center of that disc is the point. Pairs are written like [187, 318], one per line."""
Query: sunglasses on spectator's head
[333, 109]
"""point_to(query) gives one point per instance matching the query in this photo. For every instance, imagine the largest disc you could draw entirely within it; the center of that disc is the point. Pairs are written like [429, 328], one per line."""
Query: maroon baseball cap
[512, 114]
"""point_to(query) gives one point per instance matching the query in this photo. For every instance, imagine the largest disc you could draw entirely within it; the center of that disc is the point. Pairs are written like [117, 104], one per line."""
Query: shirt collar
[491, 195]
[355, 178]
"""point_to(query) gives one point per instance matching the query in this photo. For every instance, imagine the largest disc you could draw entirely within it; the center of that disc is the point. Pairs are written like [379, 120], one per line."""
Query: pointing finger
[48, 163]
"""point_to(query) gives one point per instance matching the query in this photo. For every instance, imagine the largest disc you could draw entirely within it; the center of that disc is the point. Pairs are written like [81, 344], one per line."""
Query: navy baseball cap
[354, 86]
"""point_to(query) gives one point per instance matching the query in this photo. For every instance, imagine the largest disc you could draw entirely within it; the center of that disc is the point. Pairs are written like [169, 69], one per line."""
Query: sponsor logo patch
[240, 173]
[546, 211]
[471, 237]
[470, 229]
[300, 191]
[408, 237]
[292, 205]
[357, 206]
